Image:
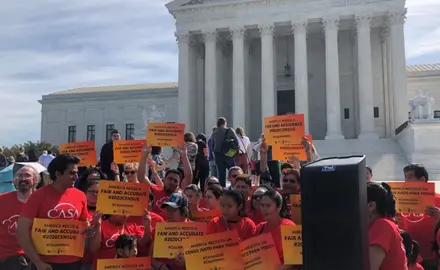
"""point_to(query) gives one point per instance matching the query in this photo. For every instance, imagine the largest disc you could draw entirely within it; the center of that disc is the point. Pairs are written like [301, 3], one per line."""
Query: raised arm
[152, 164]
[187, 170]
[95, 240]
[142, 170]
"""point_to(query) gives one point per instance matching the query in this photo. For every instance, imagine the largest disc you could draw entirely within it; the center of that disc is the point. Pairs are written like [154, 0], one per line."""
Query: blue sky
[51, 45]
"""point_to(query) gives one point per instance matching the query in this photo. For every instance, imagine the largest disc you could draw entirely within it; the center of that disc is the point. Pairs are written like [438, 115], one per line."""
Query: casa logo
[63, 211]
[160, 202]
[110, 243]
[11, 223]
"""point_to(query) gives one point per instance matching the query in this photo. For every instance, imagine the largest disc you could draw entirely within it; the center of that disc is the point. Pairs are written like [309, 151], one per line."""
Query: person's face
[234, 174]
[211, 181]
[257, 196]
[92, 195]
[193, 197]
[242, 187]
[269, 208]
[69, 176]
[131, 174]
[127, 252]
[118, 220]
[229, 208]
[290, 184]
[211, 201]
[171, 182]
[116, 136]
[25, 180]
[369, 176]
[174, 214]
[410, 176]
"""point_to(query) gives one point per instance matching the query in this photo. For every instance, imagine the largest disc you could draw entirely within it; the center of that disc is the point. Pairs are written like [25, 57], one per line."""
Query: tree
[37, 147]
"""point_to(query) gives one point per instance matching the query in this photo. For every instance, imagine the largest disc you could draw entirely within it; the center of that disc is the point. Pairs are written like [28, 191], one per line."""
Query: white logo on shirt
[160, 202]
[63, 211]
[110, 243]
[11, 223]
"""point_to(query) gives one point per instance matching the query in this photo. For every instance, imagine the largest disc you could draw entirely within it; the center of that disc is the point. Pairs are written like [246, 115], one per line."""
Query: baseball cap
[177, 200]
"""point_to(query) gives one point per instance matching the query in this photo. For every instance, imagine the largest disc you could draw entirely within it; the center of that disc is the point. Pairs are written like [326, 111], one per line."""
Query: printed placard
[291, 236]
[260, 253]
[284, 129]
[136, 263]
[413, 197]
[169, 236]
[286, 151]
[59, 237]
[86, 151]
[214, 251]
[295, 208]
[122, 198]
[166, 134]
[127, 151]
[206, 216]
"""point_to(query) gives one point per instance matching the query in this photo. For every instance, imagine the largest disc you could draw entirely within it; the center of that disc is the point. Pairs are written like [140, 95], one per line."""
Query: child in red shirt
[411, 250]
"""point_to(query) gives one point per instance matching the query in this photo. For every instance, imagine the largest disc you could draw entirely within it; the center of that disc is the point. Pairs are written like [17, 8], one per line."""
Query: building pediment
[183, 4]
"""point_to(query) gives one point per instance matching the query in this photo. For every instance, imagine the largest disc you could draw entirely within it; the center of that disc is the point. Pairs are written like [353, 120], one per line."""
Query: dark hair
[114, 131]
[194, 188]
[216, 189]
[151, 195]
[276, 197]
[82, 182]
[239, 199]
[411, 247]
[125, 241]
[381, 194]
[189, 137]
[369, 169]
[221, 121]
[435, 246]
[91, 183]
[214, 129]
[201, 137]
[418, 169]
[156, 150]
[266, 187]
[293, 172]
[245, 178]
[286, 166]
[60, 164]
[175, 171]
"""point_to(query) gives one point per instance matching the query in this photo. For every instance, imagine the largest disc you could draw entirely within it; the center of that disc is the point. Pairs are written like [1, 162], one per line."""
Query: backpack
[230, 147]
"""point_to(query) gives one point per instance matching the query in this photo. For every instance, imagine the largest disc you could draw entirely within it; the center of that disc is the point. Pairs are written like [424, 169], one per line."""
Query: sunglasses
[257, 197]
[130, 172]
[212, 183]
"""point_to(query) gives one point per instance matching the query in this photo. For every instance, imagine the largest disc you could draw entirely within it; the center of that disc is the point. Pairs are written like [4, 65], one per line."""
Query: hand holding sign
[433, 211]
[147, 219]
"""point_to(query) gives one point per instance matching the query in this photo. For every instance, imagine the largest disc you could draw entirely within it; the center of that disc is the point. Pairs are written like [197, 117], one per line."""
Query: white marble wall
[429, 82]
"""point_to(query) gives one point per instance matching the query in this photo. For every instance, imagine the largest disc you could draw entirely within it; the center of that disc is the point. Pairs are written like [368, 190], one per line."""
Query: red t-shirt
[109, 234]
[160, 196]
[421, 228]
[202, 202]
[244, 226]
[50, 203]
[9, 215]
[415, 266]
[88, 257]
[385, 233]
[139, 221]
[255, 215]
[276, 234]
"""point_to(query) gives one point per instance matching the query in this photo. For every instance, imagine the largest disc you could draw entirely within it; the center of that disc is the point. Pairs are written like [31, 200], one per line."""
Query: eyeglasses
[257, 197]
[130, 172]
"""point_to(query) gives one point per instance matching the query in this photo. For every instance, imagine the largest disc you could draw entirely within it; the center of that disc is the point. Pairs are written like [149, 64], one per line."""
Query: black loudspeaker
[334, 214]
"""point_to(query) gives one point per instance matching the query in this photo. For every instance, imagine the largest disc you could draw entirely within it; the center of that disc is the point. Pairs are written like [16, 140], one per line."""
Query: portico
[339, 53]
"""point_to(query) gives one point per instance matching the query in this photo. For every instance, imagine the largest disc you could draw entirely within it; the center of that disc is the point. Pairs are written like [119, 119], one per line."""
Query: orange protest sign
[295, 208]
[169, 236]
[291, 236]
[260, 253]
[139, 263]
[213, 251]
[284, 129]
[286, 151]
[413, 197]
[122, 198]
[127, 151]
[165, 134]
[205, 216]
[59, 236]
[86, 151]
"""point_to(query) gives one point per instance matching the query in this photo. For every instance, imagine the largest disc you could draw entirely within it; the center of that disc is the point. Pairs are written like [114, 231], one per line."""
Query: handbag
[230, 146]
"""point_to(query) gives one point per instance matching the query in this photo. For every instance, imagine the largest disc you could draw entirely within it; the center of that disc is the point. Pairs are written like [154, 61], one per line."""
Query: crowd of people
[252, 204]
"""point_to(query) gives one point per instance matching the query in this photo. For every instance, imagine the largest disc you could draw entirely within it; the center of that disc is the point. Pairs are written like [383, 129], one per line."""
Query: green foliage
[36, 146]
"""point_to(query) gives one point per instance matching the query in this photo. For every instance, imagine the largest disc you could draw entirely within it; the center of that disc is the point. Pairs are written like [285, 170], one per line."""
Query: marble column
[334, 124]
[267, 72]
[301, 71]
[365, 79]
[238, 78]
[396, 22]
[210, 38]
[184, 111]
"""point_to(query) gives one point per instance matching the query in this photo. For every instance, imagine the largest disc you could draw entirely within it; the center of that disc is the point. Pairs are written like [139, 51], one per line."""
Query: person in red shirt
[254, 210]
[11, 255]
[411, 250]
[243, 183]
[421, 226]
[193, 193]
[59, 200]
[210, 181]
[276, 213]
[91, 191]
[213, 195]
[386, 247]
[233, 207]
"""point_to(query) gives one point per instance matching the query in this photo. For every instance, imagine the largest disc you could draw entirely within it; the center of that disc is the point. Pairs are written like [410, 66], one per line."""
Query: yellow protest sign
[213, 251]
[295, 208]
[127, 151]
[122, 198]
[284, 129]
[413, 197]
[206, 216]
[286, 151]
[169, 236]
[260, 253]
[291, 236]
[139, 263]
[86, 151]
[59, 236]
[165, 134]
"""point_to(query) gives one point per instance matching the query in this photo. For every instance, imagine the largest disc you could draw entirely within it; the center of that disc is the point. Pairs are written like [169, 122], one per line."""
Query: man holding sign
[54, 214]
